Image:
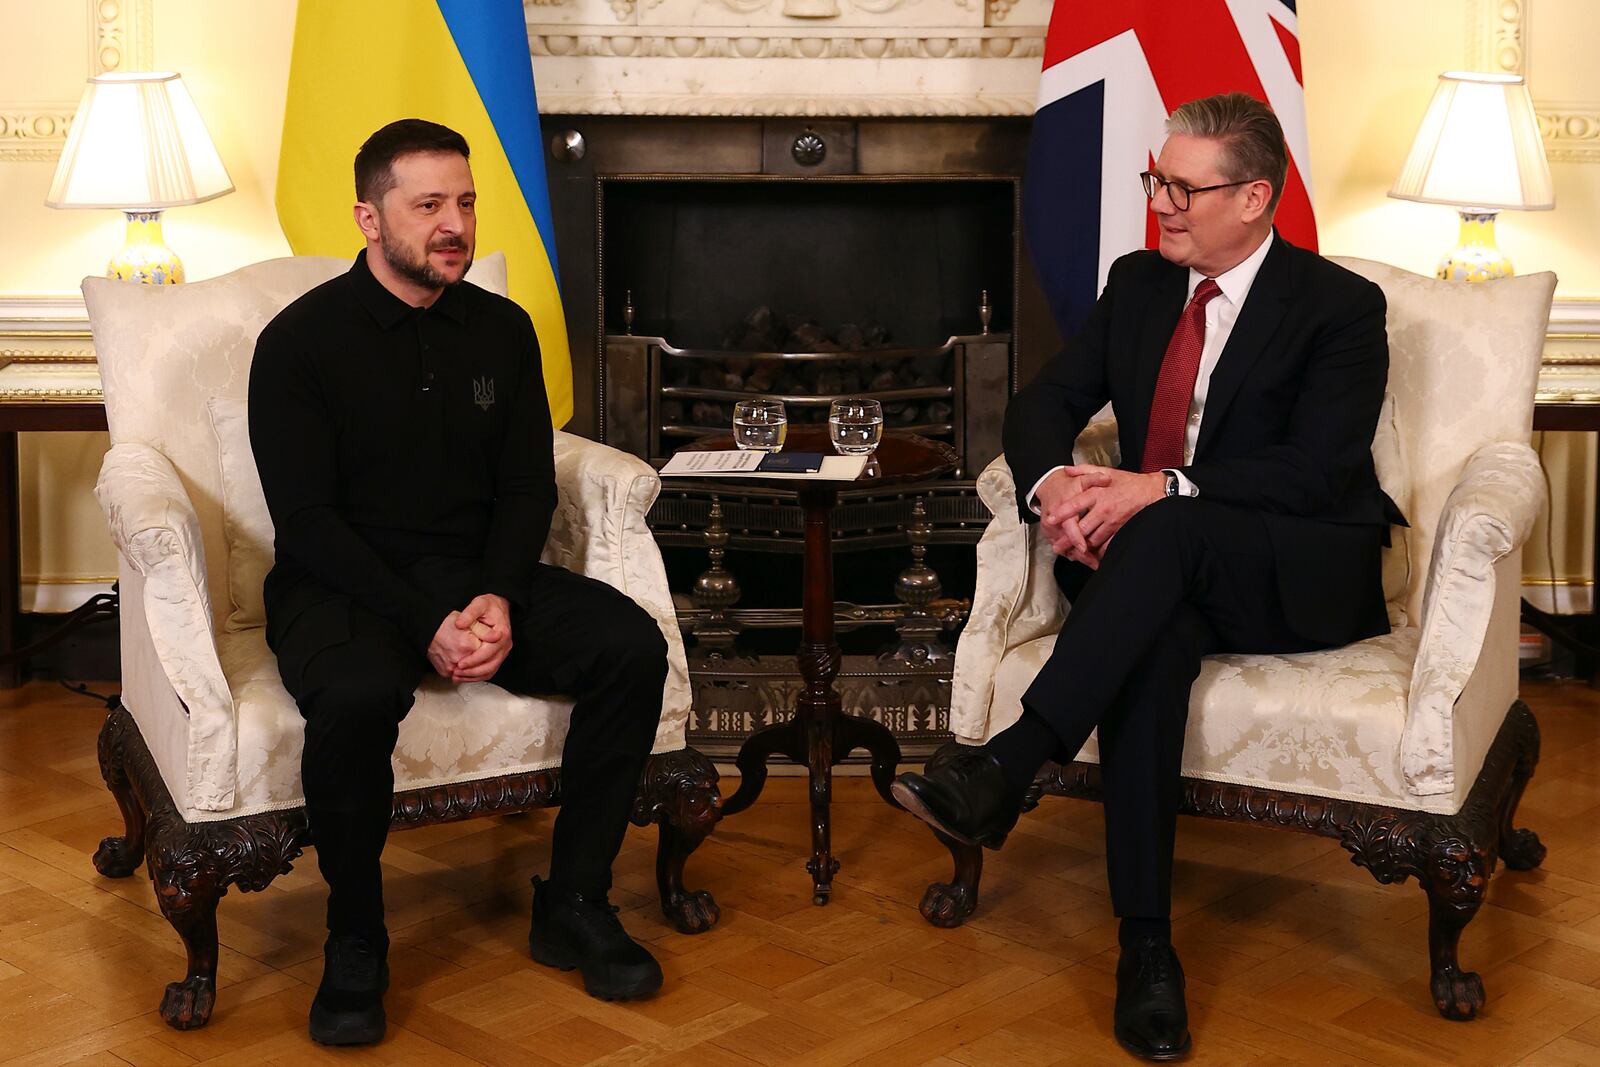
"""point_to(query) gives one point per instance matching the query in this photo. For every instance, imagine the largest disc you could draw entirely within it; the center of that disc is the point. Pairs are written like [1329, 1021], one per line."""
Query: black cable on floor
[111, 702]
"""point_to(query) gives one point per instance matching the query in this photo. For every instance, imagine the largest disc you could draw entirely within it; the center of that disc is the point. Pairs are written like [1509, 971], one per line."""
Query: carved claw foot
[679, 793]
[947, 904]
[117, 857]
[1522, 850]
[187, 1005]
[1457, 994]
[692, 912]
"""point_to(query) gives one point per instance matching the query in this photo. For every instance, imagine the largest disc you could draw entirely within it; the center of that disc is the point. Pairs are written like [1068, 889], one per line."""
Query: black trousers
[353, 675]
[1183, 578]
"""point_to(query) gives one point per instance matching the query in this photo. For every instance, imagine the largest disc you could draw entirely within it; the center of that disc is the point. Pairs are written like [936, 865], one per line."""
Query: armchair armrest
[1098, 444]
[1015, 599]
[154, 526]
[1489, 513]
[599, 530]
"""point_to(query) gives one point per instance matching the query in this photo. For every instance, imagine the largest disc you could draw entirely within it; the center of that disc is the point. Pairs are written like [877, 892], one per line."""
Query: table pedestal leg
[820, 734]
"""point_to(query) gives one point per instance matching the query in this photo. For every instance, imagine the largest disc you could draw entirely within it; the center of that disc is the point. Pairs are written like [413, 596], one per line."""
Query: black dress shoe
[1151, 1020]
[965, 798]
[576, 930]
[348, 1009]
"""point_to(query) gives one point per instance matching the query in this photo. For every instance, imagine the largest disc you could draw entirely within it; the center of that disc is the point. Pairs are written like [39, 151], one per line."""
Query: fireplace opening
[716, 287]
[906, 258]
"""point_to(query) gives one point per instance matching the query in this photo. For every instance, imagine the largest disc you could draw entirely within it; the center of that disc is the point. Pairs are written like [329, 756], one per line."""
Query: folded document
[735, 464]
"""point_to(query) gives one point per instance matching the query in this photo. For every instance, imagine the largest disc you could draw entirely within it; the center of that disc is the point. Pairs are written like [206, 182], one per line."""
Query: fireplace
[716, 288]
[804, 260]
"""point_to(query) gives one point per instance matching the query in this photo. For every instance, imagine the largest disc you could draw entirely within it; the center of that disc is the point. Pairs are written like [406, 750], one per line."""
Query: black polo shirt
[388, 434]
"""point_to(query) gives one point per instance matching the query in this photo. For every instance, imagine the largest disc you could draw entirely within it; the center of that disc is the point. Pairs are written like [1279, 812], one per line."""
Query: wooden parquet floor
[1293, 955]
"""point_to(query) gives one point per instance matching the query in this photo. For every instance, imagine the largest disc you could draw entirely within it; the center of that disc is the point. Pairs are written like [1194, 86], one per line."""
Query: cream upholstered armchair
[203, 755]
[1412, 748]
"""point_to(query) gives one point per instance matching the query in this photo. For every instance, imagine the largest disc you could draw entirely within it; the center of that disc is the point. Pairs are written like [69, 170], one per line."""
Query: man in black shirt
[399, 421]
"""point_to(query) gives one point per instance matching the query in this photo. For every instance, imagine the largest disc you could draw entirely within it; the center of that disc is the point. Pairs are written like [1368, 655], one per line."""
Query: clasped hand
[1082, 507]
[472, 643]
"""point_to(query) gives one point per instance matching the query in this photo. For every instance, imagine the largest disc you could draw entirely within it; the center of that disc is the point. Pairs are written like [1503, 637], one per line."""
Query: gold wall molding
[121, 37]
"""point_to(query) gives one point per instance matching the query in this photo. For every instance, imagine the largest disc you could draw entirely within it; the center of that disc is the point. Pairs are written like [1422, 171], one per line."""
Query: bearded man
[399, 421]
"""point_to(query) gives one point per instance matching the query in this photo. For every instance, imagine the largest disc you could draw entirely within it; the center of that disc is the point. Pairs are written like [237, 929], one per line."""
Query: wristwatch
[1172, 483]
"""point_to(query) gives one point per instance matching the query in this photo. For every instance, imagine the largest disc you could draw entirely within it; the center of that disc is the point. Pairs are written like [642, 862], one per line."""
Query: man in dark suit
[1246, 376]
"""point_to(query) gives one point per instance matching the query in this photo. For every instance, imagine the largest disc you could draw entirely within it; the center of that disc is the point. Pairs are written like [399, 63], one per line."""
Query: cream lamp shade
[138, 144]
[1479, 150]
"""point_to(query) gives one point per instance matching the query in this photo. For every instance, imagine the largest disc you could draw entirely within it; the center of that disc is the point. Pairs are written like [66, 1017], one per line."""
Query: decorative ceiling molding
[746, 105]
[1499, 41]
[636, 45]
[121, 37]
[1571, 132]
[1497, 35]
[750, 58]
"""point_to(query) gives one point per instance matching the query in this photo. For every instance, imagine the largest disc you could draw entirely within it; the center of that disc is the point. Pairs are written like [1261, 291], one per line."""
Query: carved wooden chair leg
[1455, 875]
[1521, 849]
[187, 1005]
[680, 794]
[949, 903]
[118, 857]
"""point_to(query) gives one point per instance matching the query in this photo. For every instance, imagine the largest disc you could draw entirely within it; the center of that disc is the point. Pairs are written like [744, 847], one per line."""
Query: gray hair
[1252, 140]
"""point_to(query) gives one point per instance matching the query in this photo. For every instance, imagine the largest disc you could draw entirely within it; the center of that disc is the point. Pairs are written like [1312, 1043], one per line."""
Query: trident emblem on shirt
[483, 392]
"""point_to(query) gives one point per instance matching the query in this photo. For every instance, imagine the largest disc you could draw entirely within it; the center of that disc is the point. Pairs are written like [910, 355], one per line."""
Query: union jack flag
[1113, 71]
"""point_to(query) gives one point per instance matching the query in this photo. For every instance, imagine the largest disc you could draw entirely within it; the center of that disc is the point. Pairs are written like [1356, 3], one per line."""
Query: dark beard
[420, 271]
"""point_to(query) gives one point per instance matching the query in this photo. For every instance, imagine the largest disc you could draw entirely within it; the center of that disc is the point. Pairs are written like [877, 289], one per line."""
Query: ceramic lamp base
[145, 258]
[1477, 258]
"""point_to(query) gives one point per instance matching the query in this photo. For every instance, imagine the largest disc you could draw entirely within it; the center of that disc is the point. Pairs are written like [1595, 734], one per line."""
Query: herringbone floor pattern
[1293, 955]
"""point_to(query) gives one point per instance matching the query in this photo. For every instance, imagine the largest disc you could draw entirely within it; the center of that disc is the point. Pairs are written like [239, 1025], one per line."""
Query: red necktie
[1169, 408]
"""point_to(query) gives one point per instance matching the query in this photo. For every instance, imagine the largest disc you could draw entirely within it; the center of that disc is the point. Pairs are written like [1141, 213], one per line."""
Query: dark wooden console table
[820, 734]
[38, 395]
[1578, 413]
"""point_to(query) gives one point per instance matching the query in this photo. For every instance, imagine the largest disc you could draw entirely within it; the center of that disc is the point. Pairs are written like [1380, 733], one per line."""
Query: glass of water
[855, 426]
[760, 425]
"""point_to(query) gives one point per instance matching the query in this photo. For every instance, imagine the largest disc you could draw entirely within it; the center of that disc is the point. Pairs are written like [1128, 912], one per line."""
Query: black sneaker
[349, 1005]
[573, 930]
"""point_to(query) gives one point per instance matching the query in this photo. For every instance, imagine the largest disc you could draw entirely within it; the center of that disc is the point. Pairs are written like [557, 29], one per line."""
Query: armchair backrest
[164, 351]
[1463, 367]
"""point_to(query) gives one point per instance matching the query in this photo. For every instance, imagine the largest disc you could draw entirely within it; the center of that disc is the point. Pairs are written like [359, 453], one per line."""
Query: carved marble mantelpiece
[787, 57]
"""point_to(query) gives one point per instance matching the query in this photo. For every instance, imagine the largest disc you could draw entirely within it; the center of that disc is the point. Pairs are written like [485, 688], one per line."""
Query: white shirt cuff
[1185, 486]
[1033, 494]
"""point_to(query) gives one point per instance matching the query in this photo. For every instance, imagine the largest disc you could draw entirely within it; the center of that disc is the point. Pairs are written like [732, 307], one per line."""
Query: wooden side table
[38, 394]
[820, 734]
[1572, 410]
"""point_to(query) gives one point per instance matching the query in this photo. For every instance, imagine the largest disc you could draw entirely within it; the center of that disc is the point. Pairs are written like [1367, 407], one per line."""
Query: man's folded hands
[472, 643]
[1082, 507]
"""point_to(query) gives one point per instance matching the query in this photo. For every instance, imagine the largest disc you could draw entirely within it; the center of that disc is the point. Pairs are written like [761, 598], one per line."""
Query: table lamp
[1479, 150]
[138, 144]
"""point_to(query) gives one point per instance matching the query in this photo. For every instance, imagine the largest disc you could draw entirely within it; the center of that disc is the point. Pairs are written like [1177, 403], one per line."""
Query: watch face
[1172, 485]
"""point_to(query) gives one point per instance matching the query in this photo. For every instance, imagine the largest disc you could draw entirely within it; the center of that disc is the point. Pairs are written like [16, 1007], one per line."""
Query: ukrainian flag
[359, 65]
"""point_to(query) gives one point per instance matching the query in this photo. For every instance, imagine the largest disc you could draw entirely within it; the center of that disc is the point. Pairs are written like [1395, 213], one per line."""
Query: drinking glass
[855, 426]
[760, 425]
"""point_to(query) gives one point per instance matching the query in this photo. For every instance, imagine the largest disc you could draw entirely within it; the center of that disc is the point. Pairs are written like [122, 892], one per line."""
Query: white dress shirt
[1221, 313]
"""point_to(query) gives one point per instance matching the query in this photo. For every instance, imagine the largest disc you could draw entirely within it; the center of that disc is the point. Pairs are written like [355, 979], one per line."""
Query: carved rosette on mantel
[787, 57]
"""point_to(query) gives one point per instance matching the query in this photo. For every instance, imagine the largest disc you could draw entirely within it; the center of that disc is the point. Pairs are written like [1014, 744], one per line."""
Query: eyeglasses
[1180, 193]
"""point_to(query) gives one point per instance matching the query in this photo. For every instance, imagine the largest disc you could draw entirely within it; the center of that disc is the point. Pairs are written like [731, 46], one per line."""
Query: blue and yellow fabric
[361, 64]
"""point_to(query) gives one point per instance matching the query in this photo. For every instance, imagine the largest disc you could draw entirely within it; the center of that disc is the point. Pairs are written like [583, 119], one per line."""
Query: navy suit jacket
[1289, 418]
